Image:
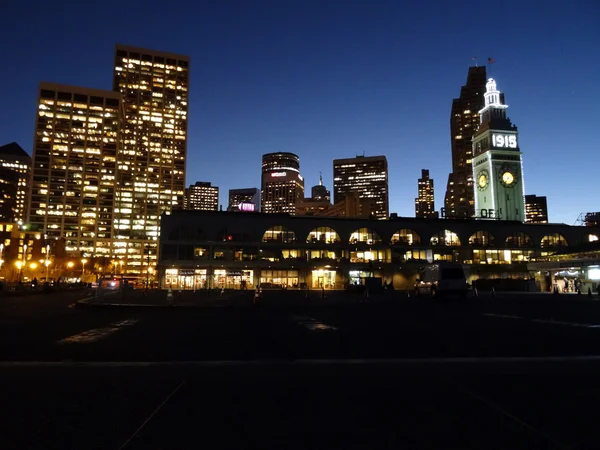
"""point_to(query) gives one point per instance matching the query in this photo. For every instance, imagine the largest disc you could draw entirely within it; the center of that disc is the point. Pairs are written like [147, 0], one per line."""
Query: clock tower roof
[493, 114]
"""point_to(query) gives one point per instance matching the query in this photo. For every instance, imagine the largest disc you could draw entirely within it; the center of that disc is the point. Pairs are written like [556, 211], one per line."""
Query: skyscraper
[152, 155]
[318, 202]
[282, 185]
[464, 121]
[425, 203]
[15, 170]
[74, 167]
[247, 196]
[536, 209]
[497, 164]
[202, 196]
[367, 175]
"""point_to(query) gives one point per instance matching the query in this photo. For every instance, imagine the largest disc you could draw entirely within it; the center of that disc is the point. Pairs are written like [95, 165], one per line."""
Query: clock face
[508, 178]
[482, 180]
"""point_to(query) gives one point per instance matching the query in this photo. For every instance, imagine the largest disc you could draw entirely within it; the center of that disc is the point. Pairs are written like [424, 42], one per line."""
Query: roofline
[79, 89]
[130, 48]
[361, 158]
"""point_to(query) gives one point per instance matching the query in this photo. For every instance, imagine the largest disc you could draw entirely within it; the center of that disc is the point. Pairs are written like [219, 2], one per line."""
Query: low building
[216, 249]
[245, 200]
[536, 209]
[202, 196]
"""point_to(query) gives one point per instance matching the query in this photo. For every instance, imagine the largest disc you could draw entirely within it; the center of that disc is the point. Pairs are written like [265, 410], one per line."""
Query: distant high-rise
[74, 167]
[536, 209]
[464, 122]
[424, 203]
[367, 175]
[202, 196]
[244, 197]
[15, 170]
[282, 185]
[152, 154]
[319, 192]
[319, 201]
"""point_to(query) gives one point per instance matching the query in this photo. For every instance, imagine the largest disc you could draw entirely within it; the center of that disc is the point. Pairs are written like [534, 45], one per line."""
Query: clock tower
[497, 164]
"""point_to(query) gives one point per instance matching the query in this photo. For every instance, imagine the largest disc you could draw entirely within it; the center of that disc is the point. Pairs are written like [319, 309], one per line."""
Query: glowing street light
[83, 261]
[47, 263]
[33, 265]
[19, 265]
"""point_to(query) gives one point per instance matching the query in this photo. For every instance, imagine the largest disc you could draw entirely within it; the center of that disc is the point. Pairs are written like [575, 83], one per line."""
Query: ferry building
[242, 250]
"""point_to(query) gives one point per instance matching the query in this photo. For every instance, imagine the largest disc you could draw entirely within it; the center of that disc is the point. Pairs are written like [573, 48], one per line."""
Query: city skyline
[322, 115]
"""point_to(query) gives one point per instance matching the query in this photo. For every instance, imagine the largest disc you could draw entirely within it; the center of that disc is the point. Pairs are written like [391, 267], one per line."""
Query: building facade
[464, 121]
[425, 202]
[216, 249]
[281, 183]
[202, 196]
[497, 163]
[15, 170]
[366, 175]
[152, 154]
[72, 187]
[536, 209]
[240, 199]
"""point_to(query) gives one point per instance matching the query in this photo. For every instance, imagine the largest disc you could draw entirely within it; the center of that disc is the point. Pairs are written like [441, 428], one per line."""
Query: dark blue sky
[330, 79]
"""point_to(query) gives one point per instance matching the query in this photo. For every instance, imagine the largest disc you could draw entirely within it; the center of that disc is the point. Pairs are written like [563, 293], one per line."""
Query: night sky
[332, 79]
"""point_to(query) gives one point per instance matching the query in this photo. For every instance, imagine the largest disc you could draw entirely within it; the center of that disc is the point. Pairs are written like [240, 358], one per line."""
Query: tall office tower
[202, 196]
[425, 203]
[282, 185]
[15, 170]
[367, 175]
[74, 167]
[536, 209]
[497, 163]
[242, 199]
[318, 202]
[152, 155]
[464, 122]
[319, 192]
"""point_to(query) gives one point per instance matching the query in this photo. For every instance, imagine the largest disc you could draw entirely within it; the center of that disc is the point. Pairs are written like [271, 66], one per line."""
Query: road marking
[546, 321]
[313, 324]
[96, 334]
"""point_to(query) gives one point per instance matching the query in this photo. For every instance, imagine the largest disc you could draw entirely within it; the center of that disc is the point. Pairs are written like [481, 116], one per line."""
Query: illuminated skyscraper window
[74, 167]
[365, 175]
[151, 160]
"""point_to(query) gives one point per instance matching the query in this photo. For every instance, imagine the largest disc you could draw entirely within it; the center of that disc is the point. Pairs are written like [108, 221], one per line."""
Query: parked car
[441, 279]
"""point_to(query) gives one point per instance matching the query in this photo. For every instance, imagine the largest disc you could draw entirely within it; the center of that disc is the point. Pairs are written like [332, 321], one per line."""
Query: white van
[440, 279]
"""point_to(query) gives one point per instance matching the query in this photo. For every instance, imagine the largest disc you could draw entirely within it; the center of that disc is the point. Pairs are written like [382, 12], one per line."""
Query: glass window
[519, 239]
[323, 235]
[445, 237]
[279, 234]
[481, 239]
[553, 240]
[365, 235]
[405, 237]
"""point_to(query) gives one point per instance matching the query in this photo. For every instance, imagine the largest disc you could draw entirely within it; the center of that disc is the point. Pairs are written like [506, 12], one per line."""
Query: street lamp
[47, 263]
[19, 265]
[83, 261]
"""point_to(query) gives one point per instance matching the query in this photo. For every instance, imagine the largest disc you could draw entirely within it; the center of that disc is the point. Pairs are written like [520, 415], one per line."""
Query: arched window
[481, 239]
[279, 234]
[405, 237]
[445, 237]
[553, 240]
[365, 235]
[592, 238]
[519, 239]
[323, 235]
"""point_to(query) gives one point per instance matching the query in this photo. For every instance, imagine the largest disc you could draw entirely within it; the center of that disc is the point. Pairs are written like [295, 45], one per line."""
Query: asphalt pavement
[515, 370]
